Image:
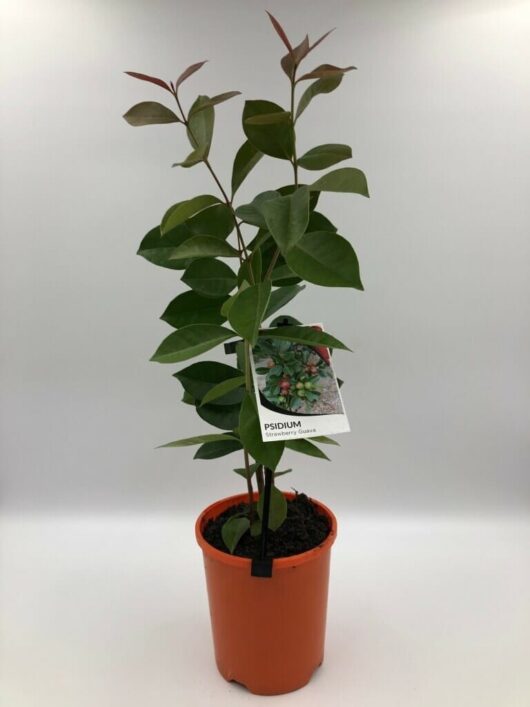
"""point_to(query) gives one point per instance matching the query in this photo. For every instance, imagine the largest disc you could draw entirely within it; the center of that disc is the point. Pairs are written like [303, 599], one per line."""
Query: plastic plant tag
[297, 393]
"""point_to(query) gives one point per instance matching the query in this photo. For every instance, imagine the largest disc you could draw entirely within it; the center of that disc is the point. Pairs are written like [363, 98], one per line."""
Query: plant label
[297, 393]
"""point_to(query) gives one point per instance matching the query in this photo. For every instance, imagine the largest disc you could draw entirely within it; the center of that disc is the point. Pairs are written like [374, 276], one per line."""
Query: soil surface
[303, 529]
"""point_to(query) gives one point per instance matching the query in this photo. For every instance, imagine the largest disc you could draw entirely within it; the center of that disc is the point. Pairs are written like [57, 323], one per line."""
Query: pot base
[267, 690]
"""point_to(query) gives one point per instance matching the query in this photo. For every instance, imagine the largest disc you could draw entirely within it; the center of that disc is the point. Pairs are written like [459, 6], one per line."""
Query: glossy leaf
[280, 297]
[254, 265]
[266, 453]
[319, 222]
[192, 308]
[200, 124]
[286, 217]
[157, 249]
[183, 210]
[150, 113]
[215, 100]
[325, 71]
[316, 88]
[233, 530]
[346, 179]
[204, 247]
[304, 446]
[322, 439]
[199, 439]
[216, 220]
[269, 118]
[325, 259]
[282, 473]
[277, 510]
[188, 72]
[210, 277]
[303, 335]
[246, 159]
[200, 378]
[214, 450]
[221, 389]
[190, 341]
[195, 157]
[247, 310]
[224, 417]
[247, 474]
[283, 276]
[253, 213]
[274, 139]
[324, 156]
[151, 79]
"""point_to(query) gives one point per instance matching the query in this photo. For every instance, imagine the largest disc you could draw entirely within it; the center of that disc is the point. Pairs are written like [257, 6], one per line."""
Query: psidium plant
[279, 241]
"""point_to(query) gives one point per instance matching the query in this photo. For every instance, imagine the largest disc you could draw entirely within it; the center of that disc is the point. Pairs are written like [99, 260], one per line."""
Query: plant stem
[250, 489]
[241, 243]
[294, 162]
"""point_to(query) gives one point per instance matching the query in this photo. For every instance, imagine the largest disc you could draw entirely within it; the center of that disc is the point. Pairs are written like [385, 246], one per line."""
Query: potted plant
[268, 630]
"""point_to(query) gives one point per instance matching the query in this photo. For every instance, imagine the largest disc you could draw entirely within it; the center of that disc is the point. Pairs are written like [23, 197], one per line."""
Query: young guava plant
[243, 263]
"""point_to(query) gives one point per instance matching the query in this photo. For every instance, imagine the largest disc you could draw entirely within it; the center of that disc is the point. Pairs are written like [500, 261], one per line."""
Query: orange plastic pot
[268, 633]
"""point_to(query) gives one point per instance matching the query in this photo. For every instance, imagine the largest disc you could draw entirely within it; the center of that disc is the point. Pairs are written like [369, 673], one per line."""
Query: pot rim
[244, 562]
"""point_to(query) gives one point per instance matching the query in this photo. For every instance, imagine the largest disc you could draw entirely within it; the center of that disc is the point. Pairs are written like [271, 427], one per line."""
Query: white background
[437, 391]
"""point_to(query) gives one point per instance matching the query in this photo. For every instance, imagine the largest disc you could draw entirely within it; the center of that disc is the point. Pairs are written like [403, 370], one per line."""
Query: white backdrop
[438, 116]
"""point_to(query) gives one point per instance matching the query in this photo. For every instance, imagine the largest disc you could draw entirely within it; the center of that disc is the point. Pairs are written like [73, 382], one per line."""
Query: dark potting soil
[303, 529]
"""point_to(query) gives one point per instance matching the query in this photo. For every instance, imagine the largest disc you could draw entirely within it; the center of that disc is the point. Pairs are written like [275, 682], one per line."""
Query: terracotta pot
[268, 633]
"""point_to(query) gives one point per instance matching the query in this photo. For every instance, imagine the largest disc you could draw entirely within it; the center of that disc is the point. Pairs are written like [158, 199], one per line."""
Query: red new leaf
[151, 79]
[188, 72]
[280, 31]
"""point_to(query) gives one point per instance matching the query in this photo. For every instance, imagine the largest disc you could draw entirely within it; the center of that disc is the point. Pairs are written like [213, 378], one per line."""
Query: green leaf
[280, 297]
[253, 213]
[303, 335]
[269, 118]
[346, 179]
[192, 308]
[266, 453]
[286, 217]
[150, 113]
[304, 446]
[214, 450]
[197, 155]
[246, 159]
[190, 341]
[325, 259]
[318, 222]
[277, 510]
[325, 71]
[157, 248]
[247, 310]
[318, 87]
[272, 138]
[225, 417]
[183, 210]
[243, 472]
[210, 277]
[324, 156]
[200, 124]
[282, 275]
[221, 389]
[215, 100]
[254, 264]
[322, 439]
[281, 473]
[233, 530]
[199, 439]
[200, 378]
[203, 247]
[216, 220]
